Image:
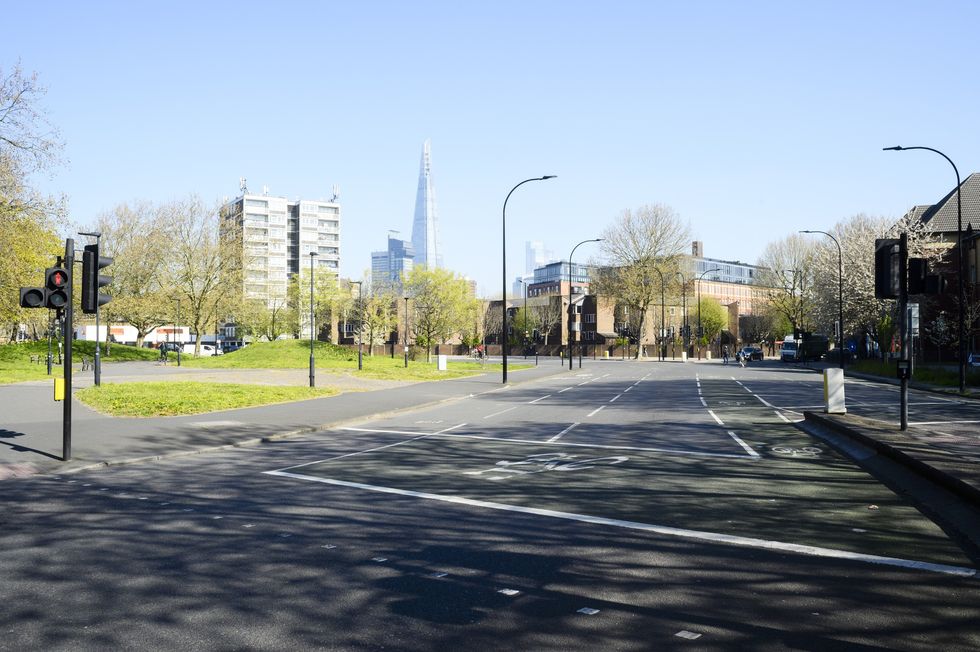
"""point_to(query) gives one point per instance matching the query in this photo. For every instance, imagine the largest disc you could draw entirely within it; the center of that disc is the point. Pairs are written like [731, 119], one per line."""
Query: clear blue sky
[751, 119]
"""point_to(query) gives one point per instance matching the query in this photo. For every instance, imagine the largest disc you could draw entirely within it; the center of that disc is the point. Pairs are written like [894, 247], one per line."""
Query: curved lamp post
[312, 330]
[700, 278]
[961, 281]
[840, 291]
[503, 267]
[571, 313]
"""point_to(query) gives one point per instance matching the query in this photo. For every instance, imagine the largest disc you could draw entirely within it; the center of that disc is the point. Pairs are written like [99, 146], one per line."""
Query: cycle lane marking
[558, 436]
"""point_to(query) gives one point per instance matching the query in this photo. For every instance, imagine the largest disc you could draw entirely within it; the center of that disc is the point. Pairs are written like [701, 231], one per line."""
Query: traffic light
[886, 268]
[92, 281]
[56, 284]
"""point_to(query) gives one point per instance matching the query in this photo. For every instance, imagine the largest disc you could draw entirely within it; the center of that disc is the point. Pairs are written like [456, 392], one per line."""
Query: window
[257, 203]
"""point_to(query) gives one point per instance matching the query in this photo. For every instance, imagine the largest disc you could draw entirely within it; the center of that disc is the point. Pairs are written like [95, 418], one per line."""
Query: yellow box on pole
[59, 389]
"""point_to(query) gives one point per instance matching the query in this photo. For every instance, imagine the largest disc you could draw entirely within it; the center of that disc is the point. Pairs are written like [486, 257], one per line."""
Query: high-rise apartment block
[277, 236]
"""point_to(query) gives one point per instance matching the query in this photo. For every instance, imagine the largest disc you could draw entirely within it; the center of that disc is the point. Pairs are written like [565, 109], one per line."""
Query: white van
[206, 349]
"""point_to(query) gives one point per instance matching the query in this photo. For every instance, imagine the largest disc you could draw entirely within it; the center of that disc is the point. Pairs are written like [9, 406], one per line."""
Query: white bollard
[833, 391]
[683, 356]
[442, 361]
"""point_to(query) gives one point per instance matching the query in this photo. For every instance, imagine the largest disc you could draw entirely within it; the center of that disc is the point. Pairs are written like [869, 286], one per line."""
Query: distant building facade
[389, 267]
[425, 226]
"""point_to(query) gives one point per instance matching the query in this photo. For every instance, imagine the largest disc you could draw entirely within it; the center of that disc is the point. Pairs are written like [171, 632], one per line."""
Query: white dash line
[595, 410]
[703, 402]
[748, 449]
[501, 412]
[539, 399]
[720, 422]
[458, 425]
[613, 399]
[628, 388]
[555, 438]
[565, 390]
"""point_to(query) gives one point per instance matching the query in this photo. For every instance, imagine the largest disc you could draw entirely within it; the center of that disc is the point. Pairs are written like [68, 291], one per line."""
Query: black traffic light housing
[55, 294]
[33, 297]
[886, 268]
[92, 281]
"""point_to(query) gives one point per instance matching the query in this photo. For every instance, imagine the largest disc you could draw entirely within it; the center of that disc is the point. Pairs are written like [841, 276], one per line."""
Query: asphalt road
[623, 506]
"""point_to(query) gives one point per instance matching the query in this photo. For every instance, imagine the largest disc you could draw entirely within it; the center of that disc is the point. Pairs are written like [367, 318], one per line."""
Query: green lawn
[921, 373]
[295, 354]
[163, 399]
[16, 365]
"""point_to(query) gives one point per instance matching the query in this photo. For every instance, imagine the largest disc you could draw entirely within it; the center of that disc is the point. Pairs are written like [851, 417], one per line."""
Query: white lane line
[556, 437]
[628, 388]
[937, 423]
[369, 450]
[720, 422]
[539, 399]
[703, 402]
[713, 537]
[595, 410]
[565, 390]
[613, 399]
[458, 425]
[642, 449]
[748, 449]
[782, 416]
[501, 412]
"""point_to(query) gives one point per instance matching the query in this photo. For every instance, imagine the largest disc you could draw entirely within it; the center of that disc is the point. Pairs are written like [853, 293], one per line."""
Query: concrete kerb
[954, 485]
[267, 439]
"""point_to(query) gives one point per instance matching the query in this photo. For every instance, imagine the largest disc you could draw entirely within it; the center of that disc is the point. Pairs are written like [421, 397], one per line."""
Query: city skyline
[750, 122]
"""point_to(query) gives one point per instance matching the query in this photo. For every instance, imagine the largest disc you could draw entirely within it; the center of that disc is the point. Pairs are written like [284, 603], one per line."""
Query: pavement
[32, 434]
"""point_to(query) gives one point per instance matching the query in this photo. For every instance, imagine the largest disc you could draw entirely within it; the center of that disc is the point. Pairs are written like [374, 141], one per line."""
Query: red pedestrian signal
[56, 281]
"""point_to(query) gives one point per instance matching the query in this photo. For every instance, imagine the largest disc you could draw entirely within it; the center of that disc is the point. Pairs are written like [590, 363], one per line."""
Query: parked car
[973, 360]
[752, 353]
[170, 347]
[206, 349]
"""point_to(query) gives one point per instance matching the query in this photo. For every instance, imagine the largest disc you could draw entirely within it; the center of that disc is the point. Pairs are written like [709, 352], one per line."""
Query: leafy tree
[634, 248]
[714, 317]
[441, 301]
[787, 275]
[380, 315]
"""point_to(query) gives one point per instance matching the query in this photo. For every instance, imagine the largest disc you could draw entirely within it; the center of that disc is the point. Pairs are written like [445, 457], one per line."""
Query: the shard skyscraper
[425, 227]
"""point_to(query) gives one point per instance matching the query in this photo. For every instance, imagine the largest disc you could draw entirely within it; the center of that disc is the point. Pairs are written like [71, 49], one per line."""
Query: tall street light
[959, 262]
[406, 332]
[360, 307]
[524, 283]
[684, 328]
[503, 267]
[571, 312]
[313, 255]
[700, 332]
[662, 346]
[840, 292]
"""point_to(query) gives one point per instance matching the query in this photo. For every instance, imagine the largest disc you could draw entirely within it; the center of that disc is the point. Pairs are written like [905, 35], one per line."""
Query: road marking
[748, 449]
[501, 412]
[782, 416]
[713, 537]
[938, 423]
[613, 399]
[539, 399]
[565, 390]
[458, 425]
[595, 410]
[641, 449]
[703, 402]
[556, 437]
[628, 388]
[720, 422]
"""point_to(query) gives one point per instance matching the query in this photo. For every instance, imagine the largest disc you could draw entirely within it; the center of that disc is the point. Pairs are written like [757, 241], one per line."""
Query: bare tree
[634, 248]
[787, 274]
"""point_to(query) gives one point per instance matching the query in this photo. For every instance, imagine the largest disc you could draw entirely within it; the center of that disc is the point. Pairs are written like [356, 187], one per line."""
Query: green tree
[442, 303]
[714, 317]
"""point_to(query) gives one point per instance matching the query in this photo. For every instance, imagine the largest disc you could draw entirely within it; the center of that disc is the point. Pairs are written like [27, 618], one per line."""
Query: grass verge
[16, 365]
[163, 399]
[922, 373]
[295, 354]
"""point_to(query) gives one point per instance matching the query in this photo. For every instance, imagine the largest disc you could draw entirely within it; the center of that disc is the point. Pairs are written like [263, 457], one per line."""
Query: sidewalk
[31, 430]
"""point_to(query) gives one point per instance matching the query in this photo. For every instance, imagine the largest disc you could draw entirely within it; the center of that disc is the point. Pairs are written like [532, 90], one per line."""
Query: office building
[389, 267]
[425, 227]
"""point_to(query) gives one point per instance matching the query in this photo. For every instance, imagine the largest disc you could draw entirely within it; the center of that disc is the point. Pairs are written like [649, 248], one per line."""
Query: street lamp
[180, 343]
[663, 308]
[959, 262]
[524, 283]
[684, 327]
[313, 255]
[700, 332]
[503, 266]
[98, 359]
[360, 307]
[406, 332]
[840, 291]
[571, 312]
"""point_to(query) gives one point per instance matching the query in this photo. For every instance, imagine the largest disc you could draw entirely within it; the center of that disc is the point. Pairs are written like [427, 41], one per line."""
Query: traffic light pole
[66, 326]
[905, 363]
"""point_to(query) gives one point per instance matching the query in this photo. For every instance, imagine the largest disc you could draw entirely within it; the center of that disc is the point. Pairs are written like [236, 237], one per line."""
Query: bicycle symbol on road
[787, 451]
[545, 462]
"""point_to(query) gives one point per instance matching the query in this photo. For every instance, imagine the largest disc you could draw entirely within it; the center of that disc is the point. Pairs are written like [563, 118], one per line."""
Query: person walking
[724, 354]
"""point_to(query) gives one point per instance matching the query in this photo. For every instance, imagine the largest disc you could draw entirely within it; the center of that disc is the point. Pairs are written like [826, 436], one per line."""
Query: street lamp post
[406, 332]
[961, 274]
[360, 308]
[840, 292]
[684, 327]
[662, 346]
[700, 332]
[503, 267]
[313, 255]
[180, 343]
[571, 311]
